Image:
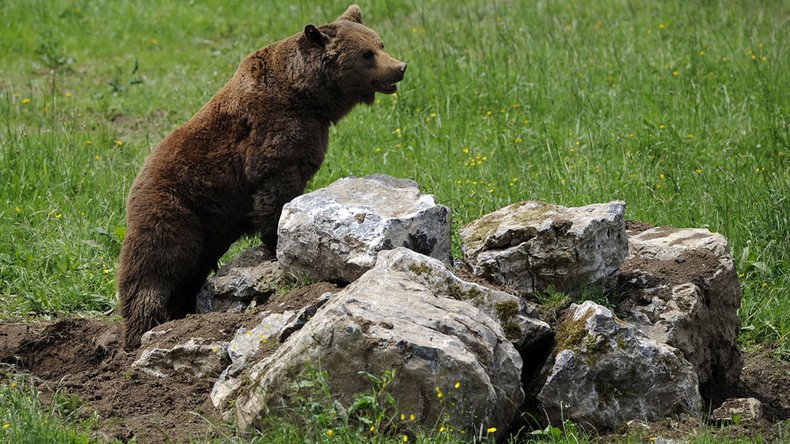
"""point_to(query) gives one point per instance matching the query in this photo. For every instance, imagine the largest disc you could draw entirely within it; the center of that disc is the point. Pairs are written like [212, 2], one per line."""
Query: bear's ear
[315, 36]
[353, 13]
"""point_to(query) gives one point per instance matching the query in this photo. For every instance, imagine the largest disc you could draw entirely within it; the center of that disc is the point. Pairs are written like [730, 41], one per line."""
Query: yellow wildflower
[25, 101]
[17, 210]
[675, 73]
[458, 384]
[411, 417]
[491, 430]
[119, 142]
[405, 438]
[330, 433]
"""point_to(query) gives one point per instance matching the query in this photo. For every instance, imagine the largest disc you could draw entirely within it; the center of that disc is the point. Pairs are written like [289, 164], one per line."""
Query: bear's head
[355, 56]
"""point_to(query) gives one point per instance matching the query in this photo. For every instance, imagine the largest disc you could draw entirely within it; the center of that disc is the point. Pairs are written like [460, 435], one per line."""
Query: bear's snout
[402, 70]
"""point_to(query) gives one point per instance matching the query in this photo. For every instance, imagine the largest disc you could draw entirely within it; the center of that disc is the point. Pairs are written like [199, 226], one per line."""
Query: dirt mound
[84, 357]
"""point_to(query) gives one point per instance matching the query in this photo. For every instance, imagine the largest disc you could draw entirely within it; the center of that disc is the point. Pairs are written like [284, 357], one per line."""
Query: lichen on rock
[533, 246]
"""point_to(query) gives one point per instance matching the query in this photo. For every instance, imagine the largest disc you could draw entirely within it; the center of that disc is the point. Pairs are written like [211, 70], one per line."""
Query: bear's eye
[368, 55]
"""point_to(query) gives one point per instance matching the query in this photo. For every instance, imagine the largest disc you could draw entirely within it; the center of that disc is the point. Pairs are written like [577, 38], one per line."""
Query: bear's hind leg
[142, 313]
[154, 261]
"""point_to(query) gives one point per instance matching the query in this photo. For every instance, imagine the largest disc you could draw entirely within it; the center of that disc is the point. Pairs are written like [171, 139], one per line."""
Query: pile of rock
[670, 323]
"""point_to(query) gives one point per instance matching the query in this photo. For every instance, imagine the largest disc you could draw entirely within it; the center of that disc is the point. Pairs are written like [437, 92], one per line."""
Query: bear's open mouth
[386, 88]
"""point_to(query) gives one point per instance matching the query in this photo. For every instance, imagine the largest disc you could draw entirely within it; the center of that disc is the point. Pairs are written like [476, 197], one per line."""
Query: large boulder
[519, 319]
[391, 318]
[335, 233]
[604, 372]
[680, 287]
[532, 246]
[252, 276]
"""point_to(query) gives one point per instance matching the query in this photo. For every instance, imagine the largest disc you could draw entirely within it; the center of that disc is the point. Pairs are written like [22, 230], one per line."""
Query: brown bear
[229, 170]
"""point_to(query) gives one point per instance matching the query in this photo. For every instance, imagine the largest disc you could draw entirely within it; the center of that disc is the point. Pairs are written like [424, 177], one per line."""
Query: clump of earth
[82, 356]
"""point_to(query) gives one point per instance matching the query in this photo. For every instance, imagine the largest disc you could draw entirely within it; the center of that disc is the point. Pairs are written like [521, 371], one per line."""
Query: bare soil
[82, 356]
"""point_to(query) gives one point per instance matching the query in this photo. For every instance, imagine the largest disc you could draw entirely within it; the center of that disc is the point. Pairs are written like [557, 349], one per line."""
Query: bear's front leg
[266, 215]
[268, 204]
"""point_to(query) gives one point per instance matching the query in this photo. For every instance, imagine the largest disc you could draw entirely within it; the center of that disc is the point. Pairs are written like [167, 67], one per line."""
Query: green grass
[64, 419]
[680, 111]
[678, 108]
[24, 419]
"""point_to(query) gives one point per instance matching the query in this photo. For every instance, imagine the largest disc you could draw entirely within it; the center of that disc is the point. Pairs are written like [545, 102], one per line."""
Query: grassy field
[678, 108]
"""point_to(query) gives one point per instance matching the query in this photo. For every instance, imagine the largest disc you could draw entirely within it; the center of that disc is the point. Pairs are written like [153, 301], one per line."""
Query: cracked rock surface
[254, 275]
[335, 233]
[532, 246]
[391, 319]
[604, 372]
[680, 287]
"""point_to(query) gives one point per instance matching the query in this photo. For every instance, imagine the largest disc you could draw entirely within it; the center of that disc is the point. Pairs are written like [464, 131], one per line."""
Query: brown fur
[229, 170]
